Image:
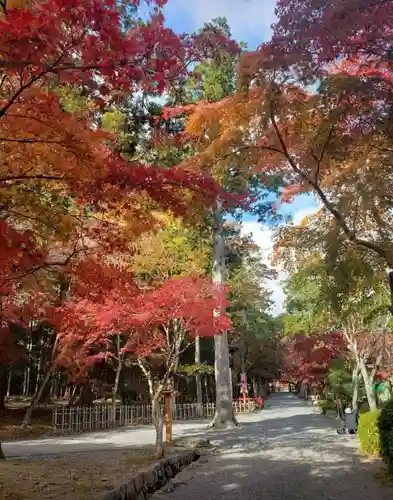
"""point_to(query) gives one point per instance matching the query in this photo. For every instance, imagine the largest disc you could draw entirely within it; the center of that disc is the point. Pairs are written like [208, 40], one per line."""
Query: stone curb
[141, 485]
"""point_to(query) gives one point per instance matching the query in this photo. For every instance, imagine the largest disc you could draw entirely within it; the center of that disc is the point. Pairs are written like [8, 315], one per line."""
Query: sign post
[243, 387]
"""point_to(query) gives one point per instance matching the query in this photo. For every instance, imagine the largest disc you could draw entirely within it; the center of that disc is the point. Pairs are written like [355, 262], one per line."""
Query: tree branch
[32, 178]
[349, 233]
[30, 141]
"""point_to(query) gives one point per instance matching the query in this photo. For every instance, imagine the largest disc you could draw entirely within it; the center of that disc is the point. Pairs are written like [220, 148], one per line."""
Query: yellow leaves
[304, 221]
[16, 4]
[172, 251]
[113, 121]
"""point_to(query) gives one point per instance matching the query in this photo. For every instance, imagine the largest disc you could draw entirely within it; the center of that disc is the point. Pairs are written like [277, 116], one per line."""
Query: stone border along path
[291, 453]
[143, 483]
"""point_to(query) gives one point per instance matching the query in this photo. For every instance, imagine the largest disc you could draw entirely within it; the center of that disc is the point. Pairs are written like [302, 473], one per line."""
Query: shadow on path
[292, 453]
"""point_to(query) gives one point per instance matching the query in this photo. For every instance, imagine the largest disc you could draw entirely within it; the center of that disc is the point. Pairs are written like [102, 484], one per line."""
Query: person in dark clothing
[351, 418]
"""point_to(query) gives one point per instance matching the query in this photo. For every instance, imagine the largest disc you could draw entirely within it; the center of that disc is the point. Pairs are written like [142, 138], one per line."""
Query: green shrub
[369, 433]
[385, 425]
[325, 404]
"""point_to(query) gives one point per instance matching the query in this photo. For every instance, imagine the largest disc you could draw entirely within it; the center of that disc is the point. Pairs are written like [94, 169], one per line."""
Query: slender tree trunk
[224, 415]
[55, 386]
[36, 399]
[117, 378]
[355, 385]
[72, 395]
[3, 389]
[158, 422]
[198, 377]
[255, 389]
[39, 368]
[38, 395]
[206, 388]
[27, 373]
[212, 388]
[9, 384]
[368, 385]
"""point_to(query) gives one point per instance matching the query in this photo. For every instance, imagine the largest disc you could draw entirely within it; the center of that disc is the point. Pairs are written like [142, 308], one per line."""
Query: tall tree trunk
[368, 380]
[39, 367]
[3, 388]
[9, 383]
[36, 399]
[198, 377]
[72, 395]
[27, 372]
[206, 387]
[38, 395]
[117, 378]
[355, 387]
[224, 415]
[255, 385]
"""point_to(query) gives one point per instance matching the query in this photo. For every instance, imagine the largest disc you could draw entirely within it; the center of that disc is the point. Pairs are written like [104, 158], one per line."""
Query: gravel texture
[117, 439]
[289, 453]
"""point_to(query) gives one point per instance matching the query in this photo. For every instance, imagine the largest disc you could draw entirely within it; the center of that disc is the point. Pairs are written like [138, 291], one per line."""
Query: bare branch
[30, 141]
[349, 233]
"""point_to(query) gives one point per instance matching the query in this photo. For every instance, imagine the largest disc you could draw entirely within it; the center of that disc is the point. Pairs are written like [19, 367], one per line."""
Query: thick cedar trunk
[224, 416]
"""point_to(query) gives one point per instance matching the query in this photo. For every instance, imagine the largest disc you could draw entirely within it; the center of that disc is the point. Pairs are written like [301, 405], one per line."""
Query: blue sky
[304, 205]
[250, 21]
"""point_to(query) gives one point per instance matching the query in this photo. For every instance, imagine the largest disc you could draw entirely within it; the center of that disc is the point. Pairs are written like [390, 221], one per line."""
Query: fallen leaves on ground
[74, 476]
[11, 429]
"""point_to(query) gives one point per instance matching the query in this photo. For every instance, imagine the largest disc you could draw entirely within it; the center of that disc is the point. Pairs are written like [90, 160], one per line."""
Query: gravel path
[290, 454]
[125, 438]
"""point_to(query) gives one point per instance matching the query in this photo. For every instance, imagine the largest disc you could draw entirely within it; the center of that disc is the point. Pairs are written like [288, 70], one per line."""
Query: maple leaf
[87, 322]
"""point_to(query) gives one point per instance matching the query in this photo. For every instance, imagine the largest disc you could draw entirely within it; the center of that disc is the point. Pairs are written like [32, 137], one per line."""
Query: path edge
[142, 484]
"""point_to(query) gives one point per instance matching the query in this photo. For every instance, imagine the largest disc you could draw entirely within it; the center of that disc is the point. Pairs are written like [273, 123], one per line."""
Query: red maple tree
[311, 33]
[307, 357]
[43, 149]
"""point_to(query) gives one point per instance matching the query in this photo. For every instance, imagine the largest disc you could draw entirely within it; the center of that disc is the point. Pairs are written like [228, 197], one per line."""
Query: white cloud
[245, 17]
[264, 238]
[302, 213]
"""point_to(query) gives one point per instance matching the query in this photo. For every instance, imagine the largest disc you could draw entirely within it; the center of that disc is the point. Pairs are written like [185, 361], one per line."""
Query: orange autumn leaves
[72, 207]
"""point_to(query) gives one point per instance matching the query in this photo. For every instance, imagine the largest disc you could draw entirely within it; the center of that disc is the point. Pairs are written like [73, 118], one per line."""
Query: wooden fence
[92, 418]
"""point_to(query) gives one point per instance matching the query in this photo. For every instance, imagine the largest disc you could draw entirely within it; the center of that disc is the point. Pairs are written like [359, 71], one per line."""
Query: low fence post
[67, 420]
